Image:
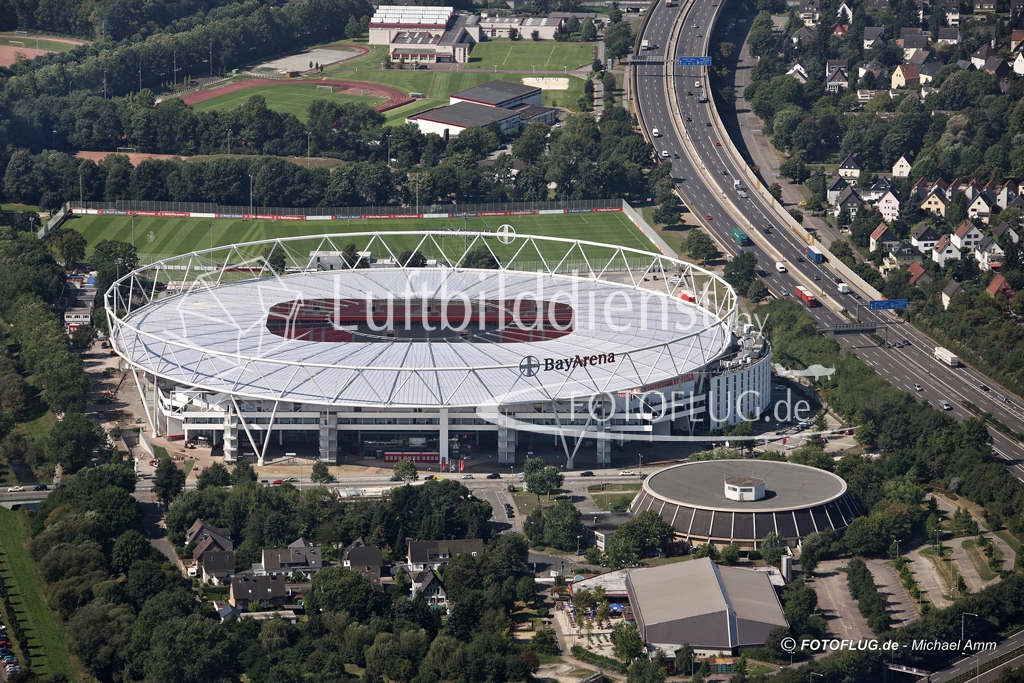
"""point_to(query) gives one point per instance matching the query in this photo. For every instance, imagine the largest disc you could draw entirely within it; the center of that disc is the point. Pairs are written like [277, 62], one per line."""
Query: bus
[740, 236]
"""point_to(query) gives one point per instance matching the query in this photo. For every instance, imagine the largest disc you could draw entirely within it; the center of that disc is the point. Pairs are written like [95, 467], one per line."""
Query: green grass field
[525, 55]
[30, 43]
[45, 635]
[157, 238]
[293, 98]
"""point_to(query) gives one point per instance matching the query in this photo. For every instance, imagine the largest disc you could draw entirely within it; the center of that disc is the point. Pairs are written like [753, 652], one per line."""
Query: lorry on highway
[669, 3]
[805, 295]
[947, 356]
[740, 236]
[780, 267]
[738, 184]
[813, 254]
[844, 288]
[645, 45]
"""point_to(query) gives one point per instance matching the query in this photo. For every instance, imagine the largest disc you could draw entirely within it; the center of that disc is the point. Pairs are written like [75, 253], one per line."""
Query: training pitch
[157, 238]
[293, 98]
[526, 55]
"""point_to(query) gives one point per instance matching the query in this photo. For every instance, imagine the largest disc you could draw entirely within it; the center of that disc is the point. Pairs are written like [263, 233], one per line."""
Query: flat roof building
[714, 609]
[451, 120]
[498, 93]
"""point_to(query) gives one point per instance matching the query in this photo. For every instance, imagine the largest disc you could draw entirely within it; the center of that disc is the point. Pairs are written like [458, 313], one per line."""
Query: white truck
[645, 45]
[738, 184]
[947, 356]
[844, 288]
[780, 267]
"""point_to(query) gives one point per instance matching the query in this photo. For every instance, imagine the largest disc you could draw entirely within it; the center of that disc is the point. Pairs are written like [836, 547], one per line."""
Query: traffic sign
[695, 61]
[853, 328]
[888, 304]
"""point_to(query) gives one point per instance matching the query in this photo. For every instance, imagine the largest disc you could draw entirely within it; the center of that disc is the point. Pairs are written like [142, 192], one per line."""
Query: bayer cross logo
[505, 233]
[529, 366]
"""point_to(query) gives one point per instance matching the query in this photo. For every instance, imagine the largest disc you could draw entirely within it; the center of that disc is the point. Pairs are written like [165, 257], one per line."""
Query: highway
[704, 171]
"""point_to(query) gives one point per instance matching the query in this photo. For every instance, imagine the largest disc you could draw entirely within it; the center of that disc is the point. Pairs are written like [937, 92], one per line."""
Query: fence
[209, 210]
[54, 222]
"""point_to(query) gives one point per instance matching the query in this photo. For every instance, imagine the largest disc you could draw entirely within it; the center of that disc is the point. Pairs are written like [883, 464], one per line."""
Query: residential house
[876, 68]
[986, 34]
[949, 291]
[366, 559]
[429, 585]
[810, 12]
[989, 254]
[205, 537]
[902, 255]
[1016, 38]
[851, 166]
[996, 66]
[833, 65]
[924, 238]
[1006, 194]
[935, 202]
[1018, 63]
[1000, 288]
[845, 12]
[865, 96]
[889, 205]
[1004, 232]
[984, 6]
[1017, 203]
[432, 554]
[909, 32]
[905, 75]
[804, 34]
[951, 8]
[873, 36]
[258, 591]
[877, 190]
[300, 556]
[840, 30]
[949, 36]
[837, 82]
[919, 58]
[913, 44]
[903, 166]
[918, 276]
[879, 5]
[929, 71]
[883, 238]
[980, 208]
[218, 566]
[835, 189]
[1016, 8]
[850, 201]
[944, 250]
[797, 71]
[966, 236]
[982, 55]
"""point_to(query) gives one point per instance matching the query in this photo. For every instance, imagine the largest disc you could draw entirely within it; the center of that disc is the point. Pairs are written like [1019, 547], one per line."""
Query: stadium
[433, 345]
[741, 501]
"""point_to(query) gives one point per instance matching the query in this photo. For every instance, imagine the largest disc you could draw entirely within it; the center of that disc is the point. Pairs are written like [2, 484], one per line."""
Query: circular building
[353, 349]
[742, 501]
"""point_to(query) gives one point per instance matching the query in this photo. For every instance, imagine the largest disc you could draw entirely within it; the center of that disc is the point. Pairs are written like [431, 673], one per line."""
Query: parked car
[15, 489]
[277, 481]
[40, 487]
[494, 475]
[291, 480]
[467, 476]
[627, 473]
[588, 473]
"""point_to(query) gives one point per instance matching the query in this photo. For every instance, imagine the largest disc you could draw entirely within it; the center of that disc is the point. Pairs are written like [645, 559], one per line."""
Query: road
[704, 171]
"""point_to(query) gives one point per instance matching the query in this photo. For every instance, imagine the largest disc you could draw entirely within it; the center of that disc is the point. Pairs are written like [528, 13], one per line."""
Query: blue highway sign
[895, 304]
[695, 61]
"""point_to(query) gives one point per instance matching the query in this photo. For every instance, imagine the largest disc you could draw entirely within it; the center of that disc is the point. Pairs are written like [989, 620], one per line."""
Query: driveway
[901, 607]
[836, 604]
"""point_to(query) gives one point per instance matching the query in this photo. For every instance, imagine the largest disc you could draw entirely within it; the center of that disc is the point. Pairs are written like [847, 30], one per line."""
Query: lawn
[293, 98]
[45, 634]
[613, 497]
[158, 237]
[979, 559]
[30, 43]
[527, 55]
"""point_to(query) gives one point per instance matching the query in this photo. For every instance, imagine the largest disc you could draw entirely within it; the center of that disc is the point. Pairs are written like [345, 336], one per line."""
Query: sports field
[293, 98]
[526, 55]
[157, 238]
[47, 44]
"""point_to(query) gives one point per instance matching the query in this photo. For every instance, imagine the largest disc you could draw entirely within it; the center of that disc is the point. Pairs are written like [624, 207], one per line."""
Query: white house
[835, 189]
[980, 208]
[889, 206]
[873, 35]
[951, 290]
[924, 238]
[845, 11]
[850, 201]
[883, 237]
[798, 72]
[902, 167]
[966, 236]
[1004, 230]
[851, 167]
[1018, 64]
[988, 253]
[1007, 193]
[944, 250]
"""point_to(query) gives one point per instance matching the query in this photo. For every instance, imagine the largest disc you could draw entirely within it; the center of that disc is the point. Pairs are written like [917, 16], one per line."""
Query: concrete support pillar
[506, 444]
[604, 449]
[328, 437]
[231, 428]
[442, 438]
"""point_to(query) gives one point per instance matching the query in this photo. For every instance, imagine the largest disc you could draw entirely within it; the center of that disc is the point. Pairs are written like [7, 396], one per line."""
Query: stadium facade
[360, 350]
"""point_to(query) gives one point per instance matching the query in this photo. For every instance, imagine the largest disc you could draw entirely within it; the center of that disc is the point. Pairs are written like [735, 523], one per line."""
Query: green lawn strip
[45, 633]
[18, 207]
[613, 502]
[979, 560]
[189, 464]
[161, 452]
[1011, 541]
[549, 659]
[293, 98]
[40, 427]
[525, 55]
[528, 502]
[397, 115]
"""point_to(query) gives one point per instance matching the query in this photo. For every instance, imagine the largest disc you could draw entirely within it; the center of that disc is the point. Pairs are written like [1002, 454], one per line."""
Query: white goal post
[16, 43]
[328, 88]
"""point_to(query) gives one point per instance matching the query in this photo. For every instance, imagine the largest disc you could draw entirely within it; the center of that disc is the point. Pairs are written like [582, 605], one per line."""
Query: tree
[321, 475]
[337, 589]
[169, 481]
[243, 473]
[588, 32]
[129, 547]
[646, 671]
[533, 526]
[84, 336]
[794, 168]
[668, 212]
[544, 642]
[772, 547]
[726, 49]
[480, 257]
[730, 554]
[640, 537]
[563, 525]
[627, 644]
[352, 28]
[757, 291]
[274, 256]
[775, 190]
[406, 470]
[214, 475]
[412, 259]
[700, 247]
[526, 590]
[740, 271]
[73, 441]
[544, 481]
[69, 246]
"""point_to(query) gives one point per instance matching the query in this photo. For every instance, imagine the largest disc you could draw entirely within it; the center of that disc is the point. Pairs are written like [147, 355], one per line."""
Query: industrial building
[508, 105]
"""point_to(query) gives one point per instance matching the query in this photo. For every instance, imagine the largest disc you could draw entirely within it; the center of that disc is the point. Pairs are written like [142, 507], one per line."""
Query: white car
[15, 489]
[292, 480]
[467, 476]
[664, 153]
[655, 133]
[627, 473]
[918, 387]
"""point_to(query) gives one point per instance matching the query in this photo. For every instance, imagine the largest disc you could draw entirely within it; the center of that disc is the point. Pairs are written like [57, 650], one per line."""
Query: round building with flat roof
[742, 501]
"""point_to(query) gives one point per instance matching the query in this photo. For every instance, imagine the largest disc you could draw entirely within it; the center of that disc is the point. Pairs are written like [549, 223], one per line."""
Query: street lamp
[308, 145]
[578, 539]
[54, 139]
[229, 141]
[250, 194]
[133, 230]
[962, 615]
[897, 548]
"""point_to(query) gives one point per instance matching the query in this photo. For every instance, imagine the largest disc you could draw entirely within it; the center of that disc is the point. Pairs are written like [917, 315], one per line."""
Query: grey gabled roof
[495, 92]
[467, 115]
[952, 289]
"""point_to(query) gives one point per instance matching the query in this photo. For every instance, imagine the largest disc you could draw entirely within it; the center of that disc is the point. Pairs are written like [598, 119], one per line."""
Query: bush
[585, 655]
[543, 611]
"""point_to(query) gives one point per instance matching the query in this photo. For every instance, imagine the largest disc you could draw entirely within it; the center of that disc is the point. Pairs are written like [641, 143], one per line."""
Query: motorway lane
[708, 192]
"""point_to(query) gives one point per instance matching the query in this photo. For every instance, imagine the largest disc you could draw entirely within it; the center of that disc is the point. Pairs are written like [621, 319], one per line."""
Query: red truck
[805, 295]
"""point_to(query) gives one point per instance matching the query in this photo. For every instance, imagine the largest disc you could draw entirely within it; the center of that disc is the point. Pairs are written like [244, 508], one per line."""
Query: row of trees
[870, 602]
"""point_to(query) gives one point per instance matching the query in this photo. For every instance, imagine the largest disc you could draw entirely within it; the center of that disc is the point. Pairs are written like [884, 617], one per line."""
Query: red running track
[395, 98]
